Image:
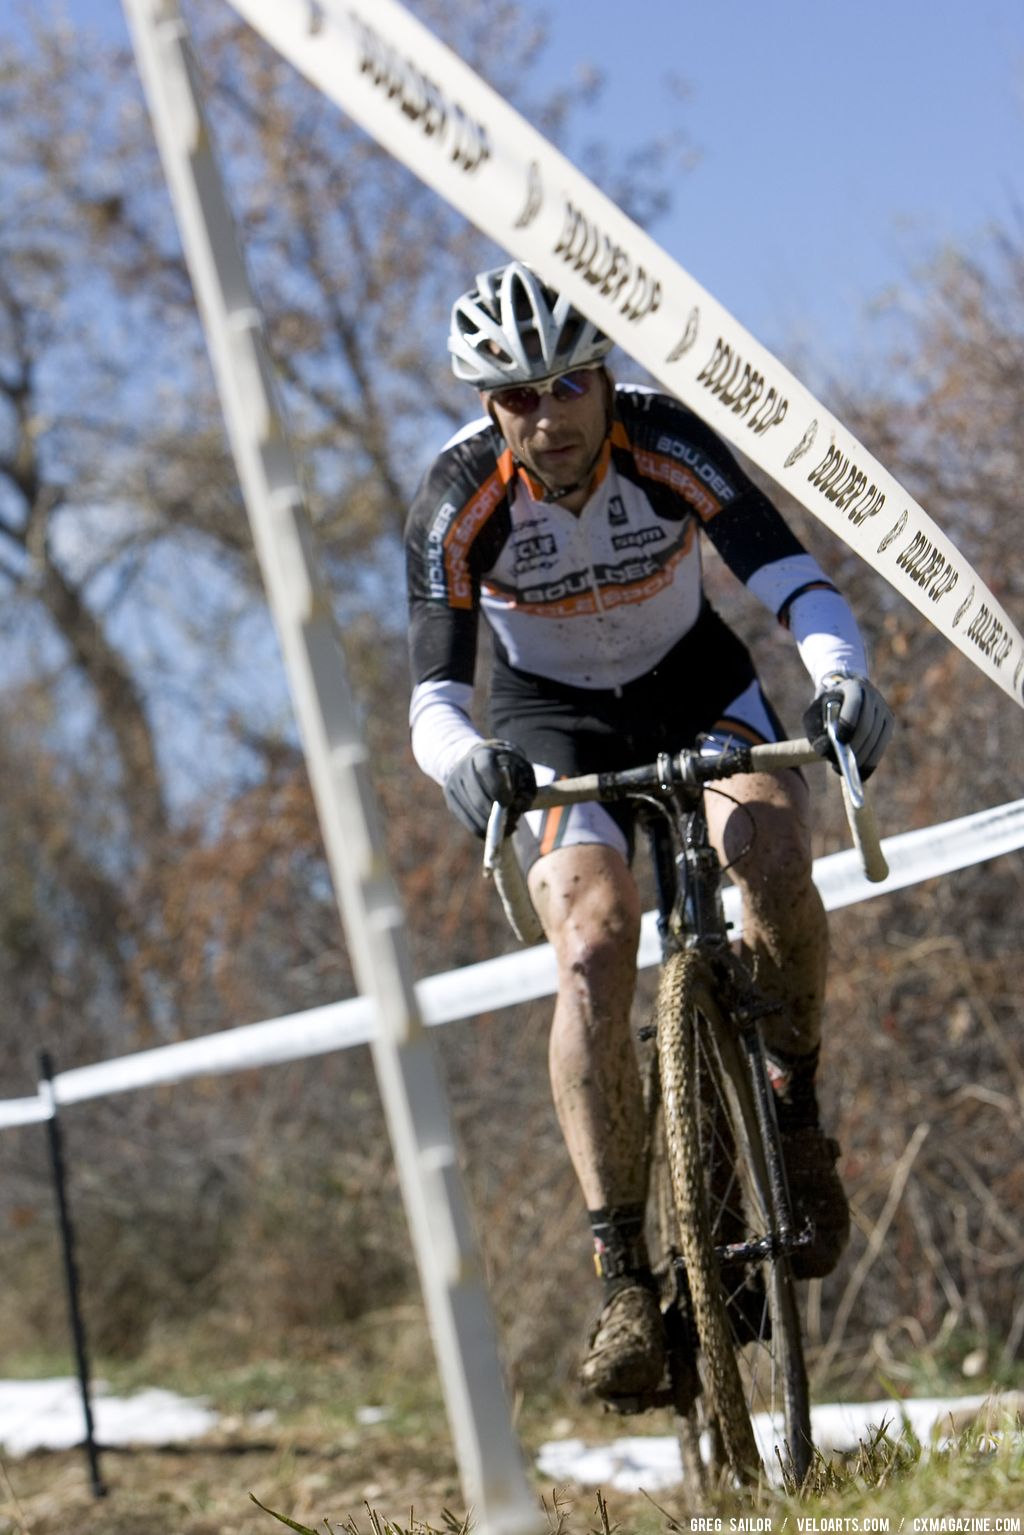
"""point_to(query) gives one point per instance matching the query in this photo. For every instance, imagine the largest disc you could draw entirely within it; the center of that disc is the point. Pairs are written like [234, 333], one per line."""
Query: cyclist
[568, 516]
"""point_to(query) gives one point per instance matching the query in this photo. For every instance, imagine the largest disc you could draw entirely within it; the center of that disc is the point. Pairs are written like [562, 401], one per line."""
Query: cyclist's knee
[589, 905]
[598, 949]
[761, 833]
[780, 863]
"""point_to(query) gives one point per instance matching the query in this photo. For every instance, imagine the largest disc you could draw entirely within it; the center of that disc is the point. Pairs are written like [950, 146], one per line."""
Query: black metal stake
[67, 1237]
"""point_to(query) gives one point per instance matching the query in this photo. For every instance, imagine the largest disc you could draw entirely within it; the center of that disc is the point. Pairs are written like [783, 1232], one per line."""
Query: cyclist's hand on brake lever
[490, 770]
[865, 720]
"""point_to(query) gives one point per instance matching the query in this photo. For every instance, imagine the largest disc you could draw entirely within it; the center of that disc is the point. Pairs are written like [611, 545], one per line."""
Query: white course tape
[496, 983]
[25, 1111]
[919, 855]
[429, 109]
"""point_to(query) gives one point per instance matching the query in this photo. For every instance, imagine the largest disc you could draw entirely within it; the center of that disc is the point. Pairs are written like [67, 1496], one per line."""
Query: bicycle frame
[687, 874]
[683, 774]
[722, 1006]
[688, 882]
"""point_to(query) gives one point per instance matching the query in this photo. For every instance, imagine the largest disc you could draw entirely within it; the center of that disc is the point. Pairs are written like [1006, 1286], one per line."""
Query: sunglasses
[523, 399]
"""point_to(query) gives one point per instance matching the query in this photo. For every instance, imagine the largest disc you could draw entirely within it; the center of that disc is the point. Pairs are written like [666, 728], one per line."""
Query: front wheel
[743, 1302]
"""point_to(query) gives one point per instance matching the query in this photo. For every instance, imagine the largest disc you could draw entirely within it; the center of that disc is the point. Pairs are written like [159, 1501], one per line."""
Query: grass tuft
[451, 1524]
[890, 1474]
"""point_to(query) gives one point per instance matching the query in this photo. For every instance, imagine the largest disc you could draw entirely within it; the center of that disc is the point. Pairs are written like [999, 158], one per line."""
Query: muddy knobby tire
[720, 1155]
[684, 979]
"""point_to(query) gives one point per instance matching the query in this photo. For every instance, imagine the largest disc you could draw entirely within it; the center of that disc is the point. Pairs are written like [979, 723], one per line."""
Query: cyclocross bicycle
[720, 1222]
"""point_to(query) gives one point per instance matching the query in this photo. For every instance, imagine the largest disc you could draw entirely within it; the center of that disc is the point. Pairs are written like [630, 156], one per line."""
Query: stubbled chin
[558, 466]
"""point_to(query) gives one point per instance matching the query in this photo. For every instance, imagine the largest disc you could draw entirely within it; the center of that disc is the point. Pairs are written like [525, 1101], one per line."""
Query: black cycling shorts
[706, 683]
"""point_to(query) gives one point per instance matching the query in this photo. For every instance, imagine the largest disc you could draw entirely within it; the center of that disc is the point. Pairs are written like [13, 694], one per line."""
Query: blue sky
[839, 143]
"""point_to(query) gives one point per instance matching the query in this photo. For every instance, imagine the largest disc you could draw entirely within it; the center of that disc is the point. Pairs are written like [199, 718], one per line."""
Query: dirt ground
[204, 1489]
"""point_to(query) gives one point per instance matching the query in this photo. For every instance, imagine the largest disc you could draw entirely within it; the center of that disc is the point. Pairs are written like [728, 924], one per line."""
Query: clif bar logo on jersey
[537, 553]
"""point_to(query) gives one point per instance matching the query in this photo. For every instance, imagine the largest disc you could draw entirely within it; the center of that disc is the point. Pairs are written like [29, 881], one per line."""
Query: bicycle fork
[783, 1240]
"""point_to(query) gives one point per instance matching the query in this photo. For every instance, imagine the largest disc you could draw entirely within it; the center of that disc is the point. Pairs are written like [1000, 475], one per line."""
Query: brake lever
[845, 758]
[495, 837]
[858, 812]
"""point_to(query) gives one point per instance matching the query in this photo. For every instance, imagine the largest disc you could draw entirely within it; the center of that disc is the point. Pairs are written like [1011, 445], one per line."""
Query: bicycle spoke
[727, 1181]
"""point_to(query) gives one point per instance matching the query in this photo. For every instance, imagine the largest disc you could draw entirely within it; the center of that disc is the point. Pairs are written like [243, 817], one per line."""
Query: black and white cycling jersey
[594, 599]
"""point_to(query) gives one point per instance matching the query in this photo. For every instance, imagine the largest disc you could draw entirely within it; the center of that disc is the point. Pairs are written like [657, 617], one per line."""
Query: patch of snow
[652, 1462]
[628, 1464]
[48, 1414]
[844, 1425]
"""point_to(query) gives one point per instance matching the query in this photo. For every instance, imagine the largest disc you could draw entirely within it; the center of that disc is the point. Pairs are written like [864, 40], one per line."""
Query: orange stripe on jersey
[552, 829]
[668, 471]
[732, 727]
[459, 539]
[536, 489]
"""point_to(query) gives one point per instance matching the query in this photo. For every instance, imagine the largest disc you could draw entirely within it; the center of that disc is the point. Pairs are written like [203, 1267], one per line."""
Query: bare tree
[926, 978]
[166, 873]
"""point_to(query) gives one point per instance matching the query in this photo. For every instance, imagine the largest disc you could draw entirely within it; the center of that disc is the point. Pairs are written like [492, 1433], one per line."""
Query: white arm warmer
[442, 732]
[819, 619]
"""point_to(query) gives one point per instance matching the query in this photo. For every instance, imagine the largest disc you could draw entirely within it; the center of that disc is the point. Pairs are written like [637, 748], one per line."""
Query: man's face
[558, 439]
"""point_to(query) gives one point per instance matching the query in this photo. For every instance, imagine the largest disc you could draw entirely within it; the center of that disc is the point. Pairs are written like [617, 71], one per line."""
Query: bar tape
[502, 982]
[433, 113]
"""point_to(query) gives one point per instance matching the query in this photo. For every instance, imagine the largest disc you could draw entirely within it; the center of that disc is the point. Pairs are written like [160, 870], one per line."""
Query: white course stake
[490, 1463]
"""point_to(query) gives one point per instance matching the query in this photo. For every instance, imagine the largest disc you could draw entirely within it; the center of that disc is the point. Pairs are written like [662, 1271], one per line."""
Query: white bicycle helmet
[513, 329]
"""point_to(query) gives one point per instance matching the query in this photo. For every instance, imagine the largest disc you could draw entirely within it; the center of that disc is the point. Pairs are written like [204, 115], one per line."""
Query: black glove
[492, 770]
[865, 720]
